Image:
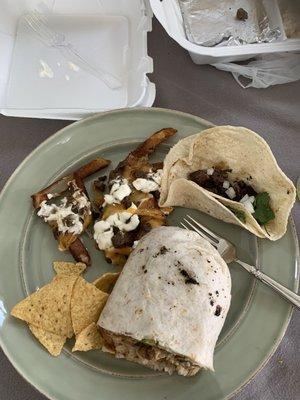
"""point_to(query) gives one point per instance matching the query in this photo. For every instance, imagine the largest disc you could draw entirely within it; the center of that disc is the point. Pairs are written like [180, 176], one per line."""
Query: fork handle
[284, 292]
[108, 78]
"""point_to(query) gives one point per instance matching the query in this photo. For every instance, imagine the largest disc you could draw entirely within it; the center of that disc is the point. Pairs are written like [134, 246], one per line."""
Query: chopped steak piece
[220, 176]
[214, 183]
[241, 189]
[140, 174]
[143, 228]
[156, 166]
[200, 177]
[96, 213]
[99, 184]
[156, 195]
[126, 202]
[123, 239]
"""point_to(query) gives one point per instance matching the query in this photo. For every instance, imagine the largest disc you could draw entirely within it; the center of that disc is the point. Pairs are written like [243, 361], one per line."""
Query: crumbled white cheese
[226, 184]
[119, 190]
[58, 214]
[103, 234]
[210, 171]
[109, 199]
[81, 200]
[156, 176]
[103, 230]
[124, 220]
[66, 220]
[145, 185]
[230, 192]
[149, 184]
[135, 243]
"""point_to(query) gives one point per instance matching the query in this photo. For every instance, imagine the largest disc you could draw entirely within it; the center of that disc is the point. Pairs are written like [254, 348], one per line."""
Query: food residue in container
[45, 71]
[241, 14]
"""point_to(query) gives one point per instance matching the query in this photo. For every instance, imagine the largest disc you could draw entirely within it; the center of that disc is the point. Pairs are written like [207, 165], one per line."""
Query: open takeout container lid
[40, 80]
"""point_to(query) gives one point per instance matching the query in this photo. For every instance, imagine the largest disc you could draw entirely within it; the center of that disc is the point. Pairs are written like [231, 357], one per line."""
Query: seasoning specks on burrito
[230, 173]
[169, 304]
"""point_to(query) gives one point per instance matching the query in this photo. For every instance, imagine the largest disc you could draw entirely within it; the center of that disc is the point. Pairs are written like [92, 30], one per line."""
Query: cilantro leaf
[239, 214]
[263, 212]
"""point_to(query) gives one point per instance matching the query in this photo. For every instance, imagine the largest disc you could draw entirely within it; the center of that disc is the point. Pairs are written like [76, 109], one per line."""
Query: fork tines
[200, 229]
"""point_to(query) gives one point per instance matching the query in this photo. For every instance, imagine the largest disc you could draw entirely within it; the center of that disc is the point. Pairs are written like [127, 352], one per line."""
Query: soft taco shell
[247, 154]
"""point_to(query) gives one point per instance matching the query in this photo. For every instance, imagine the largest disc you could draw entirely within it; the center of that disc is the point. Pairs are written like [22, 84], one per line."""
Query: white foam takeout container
[38, 81]
[169, 15]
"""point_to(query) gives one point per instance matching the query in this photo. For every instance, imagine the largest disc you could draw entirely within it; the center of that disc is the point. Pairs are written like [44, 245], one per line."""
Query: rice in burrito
[169, 304]
[230, 173]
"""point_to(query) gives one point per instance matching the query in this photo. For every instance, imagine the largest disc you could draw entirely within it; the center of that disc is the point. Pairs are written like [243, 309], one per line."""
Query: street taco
[230, 173]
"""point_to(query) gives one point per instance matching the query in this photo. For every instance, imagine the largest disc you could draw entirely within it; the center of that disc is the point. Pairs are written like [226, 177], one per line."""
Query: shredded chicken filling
[147, 354]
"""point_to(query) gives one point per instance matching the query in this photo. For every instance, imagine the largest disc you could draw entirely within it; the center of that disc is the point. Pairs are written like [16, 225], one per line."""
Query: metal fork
[39, 23]
[228, 253]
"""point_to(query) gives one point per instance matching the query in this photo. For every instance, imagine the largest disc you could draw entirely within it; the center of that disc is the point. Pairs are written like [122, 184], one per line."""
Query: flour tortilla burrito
[256, 195]
[169, 304]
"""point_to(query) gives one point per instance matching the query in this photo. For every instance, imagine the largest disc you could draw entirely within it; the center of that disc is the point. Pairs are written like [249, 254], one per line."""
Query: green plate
[257, 318]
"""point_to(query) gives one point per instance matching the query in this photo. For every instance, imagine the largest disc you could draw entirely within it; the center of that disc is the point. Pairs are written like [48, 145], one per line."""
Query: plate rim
[208, 124]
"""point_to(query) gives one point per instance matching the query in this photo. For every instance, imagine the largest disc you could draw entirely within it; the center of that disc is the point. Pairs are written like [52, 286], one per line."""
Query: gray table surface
[215, 96]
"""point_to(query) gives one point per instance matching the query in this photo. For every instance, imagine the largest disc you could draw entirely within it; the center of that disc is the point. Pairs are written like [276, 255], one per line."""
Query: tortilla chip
[86, 304]
[53, 343]
[107, 281]
[49, 307]
[89, 339]
[62, 267]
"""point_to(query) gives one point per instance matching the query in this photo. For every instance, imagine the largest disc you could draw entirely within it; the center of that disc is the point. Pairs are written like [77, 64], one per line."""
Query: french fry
[92, 167]
[137, 159]
[151, 213]
[61, 185]
[149, 145]
[79, 252]
[68, 241]
[136, 165]
[55, 189]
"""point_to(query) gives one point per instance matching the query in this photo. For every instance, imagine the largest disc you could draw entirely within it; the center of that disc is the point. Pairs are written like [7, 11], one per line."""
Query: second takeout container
[169, 15]
[112, 33]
